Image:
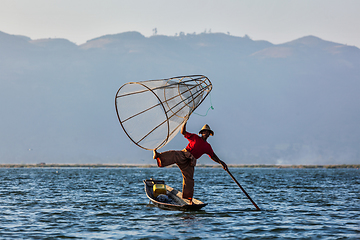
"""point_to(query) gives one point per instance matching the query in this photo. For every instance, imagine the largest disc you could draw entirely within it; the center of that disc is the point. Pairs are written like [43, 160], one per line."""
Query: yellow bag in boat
[159, 189]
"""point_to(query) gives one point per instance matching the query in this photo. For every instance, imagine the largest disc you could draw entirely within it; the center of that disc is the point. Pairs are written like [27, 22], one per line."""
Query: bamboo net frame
[151, 112]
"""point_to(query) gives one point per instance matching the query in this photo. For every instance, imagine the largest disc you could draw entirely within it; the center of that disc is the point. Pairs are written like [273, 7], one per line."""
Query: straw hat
[207, 127]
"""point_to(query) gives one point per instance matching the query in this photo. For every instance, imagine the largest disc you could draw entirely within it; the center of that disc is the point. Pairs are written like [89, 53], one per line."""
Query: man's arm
[183, 129]
[216, 159]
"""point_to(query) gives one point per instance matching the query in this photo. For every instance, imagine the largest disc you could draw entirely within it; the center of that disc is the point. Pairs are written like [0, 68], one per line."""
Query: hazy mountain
[291, 103]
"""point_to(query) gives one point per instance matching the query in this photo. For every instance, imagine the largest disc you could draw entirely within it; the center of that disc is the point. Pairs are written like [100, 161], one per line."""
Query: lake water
[81, 203]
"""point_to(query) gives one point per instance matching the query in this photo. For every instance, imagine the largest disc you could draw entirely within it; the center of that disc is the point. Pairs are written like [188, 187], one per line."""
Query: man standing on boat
[186, 158]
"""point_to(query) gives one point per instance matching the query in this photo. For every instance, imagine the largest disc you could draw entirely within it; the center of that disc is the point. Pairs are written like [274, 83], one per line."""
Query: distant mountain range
[291, 103]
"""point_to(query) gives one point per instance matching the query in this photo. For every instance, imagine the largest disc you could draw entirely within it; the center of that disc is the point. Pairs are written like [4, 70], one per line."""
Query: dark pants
[186, 162]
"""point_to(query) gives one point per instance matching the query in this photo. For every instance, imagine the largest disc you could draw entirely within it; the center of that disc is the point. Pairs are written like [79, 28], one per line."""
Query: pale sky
[277, 21]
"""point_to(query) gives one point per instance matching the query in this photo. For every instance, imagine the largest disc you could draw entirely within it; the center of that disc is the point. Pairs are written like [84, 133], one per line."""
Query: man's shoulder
[190, 135]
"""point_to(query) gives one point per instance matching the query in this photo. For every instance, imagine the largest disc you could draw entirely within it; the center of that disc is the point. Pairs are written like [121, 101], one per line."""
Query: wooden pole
[257, 208]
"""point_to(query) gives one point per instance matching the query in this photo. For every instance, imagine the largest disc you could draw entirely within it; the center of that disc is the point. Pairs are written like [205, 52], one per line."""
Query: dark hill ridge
[54, 43]
[309, 46]
[291, 103]
[312, 41]
[12, 39]
[203, 40]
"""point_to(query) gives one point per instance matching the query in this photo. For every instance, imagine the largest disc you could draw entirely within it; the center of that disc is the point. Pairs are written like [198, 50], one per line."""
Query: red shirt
[197, 146]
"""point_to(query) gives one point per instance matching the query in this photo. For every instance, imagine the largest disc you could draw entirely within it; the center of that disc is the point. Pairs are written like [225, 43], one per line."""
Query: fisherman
[186, 158]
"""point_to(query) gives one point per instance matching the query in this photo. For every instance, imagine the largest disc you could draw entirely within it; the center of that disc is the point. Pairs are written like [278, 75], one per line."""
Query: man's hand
[223, 164]
[183, 128]
[215, 158]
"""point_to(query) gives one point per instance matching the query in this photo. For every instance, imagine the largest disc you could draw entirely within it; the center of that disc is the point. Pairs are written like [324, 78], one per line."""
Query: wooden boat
[174, 199]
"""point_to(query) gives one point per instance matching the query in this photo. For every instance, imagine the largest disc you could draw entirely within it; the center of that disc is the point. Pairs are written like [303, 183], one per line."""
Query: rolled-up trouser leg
[169, 157]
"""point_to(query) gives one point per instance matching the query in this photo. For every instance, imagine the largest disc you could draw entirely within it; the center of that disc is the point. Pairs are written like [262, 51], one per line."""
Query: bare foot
[191, 202]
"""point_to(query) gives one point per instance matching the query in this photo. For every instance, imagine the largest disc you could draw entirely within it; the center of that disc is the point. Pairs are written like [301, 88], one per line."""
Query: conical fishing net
[152, 112]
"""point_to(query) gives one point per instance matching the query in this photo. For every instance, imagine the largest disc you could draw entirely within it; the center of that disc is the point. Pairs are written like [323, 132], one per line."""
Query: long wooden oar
[257, 208]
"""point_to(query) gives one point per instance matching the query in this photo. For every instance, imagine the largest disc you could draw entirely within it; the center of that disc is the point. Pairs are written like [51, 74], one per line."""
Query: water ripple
[111, 204]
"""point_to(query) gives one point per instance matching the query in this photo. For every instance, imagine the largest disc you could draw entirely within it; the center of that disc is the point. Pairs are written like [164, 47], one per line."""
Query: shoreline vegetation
[51, 165]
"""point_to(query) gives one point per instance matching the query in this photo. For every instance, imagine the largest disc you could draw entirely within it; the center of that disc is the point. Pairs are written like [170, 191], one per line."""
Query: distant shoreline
[44, 165]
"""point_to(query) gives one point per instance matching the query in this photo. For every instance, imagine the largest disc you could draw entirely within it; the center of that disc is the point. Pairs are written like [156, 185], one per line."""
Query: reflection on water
[111, 203]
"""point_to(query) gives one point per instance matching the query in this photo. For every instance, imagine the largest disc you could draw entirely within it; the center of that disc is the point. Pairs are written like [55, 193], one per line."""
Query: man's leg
[187, 172]
[167, 158]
